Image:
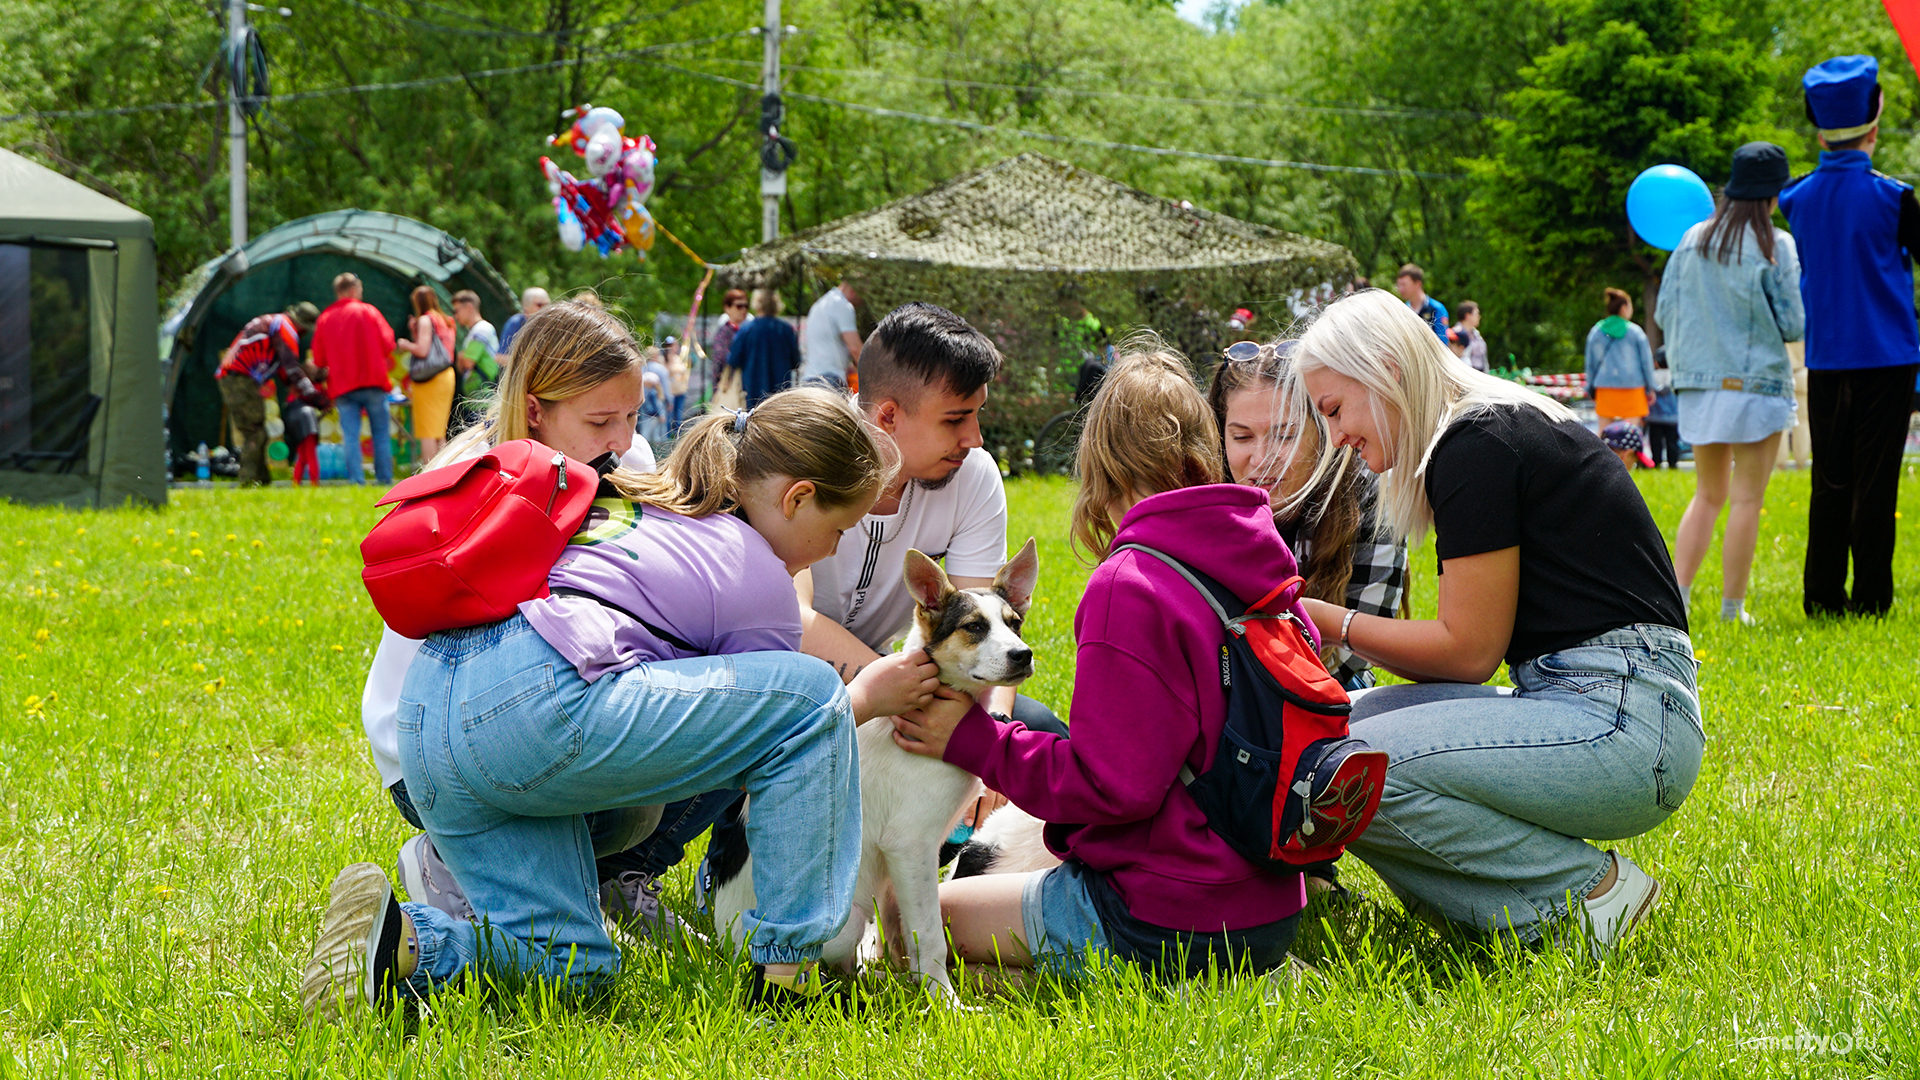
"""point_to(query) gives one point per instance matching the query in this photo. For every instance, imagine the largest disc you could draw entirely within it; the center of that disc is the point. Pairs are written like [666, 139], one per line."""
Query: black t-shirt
[1591, 558]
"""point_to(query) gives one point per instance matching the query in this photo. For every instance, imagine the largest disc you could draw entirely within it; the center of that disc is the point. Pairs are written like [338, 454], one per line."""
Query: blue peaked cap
[1842, 92]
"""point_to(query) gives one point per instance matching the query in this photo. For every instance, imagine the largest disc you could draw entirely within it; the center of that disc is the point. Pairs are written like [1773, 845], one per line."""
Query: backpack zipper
[560, 464]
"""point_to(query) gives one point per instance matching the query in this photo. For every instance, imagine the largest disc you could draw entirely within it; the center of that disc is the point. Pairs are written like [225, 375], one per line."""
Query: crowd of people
[727, 617]
[342, 359]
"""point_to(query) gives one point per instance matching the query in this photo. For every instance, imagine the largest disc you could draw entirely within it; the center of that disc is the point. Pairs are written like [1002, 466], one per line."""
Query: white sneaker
[428, 880]
[1621, 908]
[358, 956]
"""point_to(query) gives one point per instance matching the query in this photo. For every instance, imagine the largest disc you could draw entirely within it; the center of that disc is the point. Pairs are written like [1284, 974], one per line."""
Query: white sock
[1732, 607]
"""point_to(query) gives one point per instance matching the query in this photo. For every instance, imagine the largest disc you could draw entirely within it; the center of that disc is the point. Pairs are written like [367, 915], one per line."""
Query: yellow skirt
[433, 405]
[1620, 402]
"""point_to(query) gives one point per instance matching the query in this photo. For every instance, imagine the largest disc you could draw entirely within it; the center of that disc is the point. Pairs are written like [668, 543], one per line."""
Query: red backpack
[1289, 785]
[470, 542]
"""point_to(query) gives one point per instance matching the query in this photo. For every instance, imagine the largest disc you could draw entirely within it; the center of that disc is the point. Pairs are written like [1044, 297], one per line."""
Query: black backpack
[1289, 785]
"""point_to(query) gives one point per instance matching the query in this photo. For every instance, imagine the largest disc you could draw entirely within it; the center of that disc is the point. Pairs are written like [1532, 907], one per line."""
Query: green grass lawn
[182, 772]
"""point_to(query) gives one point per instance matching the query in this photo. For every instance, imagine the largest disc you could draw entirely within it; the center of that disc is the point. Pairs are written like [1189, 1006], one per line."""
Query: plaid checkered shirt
[1379, 581]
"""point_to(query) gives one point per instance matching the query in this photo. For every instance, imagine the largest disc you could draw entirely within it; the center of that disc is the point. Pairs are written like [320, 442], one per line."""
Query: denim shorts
[1063, 927]
[1072, 915]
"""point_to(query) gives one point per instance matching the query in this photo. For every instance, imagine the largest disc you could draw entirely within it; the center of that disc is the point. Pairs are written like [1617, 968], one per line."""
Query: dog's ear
[1018, 578]
[926, 582]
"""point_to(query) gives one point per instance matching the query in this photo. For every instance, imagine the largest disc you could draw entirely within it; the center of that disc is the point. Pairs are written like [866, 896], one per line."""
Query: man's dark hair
[1412, 271]
[919, 345]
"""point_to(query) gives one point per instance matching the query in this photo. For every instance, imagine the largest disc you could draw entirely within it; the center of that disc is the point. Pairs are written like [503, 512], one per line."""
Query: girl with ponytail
[663, 666]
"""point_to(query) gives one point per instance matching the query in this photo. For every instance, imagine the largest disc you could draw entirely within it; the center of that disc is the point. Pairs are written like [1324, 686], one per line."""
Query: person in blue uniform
[1857, 232]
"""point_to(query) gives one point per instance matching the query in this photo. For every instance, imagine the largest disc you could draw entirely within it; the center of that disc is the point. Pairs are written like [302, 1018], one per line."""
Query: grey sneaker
[428, 880]
[632, 901]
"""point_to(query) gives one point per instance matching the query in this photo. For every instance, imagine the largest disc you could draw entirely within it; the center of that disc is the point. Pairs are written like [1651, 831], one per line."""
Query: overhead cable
[1079, 140]
[1073, 91]
[494, 30]
[1471, 114]
[369, 88]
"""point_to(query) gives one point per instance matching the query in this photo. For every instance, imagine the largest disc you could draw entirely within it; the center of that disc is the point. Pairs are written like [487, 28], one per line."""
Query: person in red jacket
[354, 343]
[267, 347]
[1143, 878]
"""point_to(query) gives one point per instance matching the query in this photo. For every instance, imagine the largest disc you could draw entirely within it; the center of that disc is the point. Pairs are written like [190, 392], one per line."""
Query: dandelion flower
[337, 648]
[41, 634]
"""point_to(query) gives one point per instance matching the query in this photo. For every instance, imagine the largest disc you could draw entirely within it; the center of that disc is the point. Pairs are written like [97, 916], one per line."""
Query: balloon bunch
[608, 208]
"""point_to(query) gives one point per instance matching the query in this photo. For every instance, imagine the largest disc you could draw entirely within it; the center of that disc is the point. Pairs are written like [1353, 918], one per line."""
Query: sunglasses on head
[1241, 352]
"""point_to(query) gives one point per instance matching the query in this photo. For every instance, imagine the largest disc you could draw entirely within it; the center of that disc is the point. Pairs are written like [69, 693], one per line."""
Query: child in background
[303, 440]
[1623, 438]
[1663, 416]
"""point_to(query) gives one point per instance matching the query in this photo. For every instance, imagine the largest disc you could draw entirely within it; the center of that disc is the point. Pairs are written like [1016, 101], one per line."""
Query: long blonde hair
[1416, 389]
[1148, 430]
[562, 351]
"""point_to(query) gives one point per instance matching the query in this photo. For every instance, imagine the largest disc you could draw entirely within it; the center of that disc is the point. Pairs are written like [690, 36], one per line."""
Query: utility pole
[236, 123]
[772, 184]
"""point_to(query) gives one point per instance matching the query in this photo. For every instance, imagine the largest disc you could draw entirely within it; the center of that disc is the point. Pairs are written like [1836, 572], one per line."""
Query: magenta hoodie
[1146, 700]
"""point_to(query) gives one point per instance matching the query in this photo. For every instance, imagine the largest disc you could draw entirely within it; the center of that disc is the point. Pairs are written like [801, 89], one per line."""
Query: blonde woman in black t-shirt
[1548, 560]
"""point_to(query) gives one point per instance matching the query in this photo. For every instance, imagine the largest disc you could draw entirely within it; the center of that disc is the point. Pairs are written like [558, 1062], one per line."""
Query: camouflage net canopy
[1015, 245]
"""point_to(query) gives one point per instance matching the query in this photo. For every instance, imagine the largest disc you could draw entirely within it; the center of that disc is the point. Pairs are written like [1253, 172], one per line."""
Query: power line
[495, 31]
[1471, 114]
[647, 54]
[1045, 136]
[1074, 91]
[368, 88]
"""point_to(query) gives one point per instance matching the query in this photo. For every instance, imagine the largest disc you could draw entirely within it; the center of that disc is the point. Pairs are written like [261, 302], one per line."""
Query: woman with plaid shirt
[1347, 557]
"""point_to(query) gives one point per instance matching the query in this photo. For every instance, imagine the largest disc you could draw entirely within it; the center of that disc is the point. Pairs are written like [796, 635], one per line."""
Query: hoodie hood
[1225, 531]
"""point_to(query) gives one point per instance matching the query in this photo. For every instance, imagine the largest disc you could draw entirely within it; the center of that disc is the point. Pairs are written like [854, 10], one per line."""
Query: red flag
[1906, 21]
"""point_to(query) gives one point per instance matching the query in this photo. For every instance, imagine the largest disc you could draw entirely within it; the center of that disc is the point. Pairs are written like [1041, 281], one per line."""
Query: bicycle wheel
[1055, 448]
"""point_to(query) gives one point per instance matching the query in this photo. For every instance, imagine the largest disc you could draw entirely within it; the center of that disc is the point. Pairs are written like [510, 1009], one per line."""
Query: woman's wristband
[1345, 625]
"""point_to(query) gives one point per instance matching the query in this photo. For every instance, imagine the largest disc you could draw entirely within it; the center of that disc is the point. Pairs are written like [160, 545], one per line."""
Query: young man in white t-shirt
[924, 375]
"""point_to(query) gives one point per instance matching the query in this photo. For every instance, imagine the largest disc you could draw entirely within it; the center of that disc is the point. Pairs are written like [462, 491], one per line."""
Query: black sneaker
[357, 956]
[806, 988]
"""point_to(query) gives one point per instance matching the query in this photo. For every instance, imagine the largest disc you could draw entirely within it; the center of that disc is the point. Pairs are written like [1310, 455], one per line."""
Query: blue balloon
[1665, 201]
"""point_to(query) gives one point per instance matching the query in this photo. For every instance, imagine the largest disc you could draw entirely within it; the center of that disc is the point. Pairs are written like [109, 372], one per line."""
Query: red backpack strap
[1261, 604]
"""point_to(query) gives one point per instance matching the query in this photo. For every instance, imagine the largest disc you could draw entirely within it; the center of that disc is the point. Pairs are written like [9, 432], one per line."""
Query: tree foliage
[1507, 130]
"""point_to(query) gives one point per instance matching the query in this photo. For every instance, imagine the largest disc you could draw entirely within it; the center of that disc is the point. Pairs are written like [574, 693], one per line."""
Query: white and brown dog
[908, 803]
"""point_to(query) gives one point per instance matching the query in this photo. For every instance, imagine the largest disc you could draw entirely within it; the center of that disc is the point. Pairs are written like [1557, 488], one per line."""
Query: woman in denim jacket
[1729, 304]
[1619, 364]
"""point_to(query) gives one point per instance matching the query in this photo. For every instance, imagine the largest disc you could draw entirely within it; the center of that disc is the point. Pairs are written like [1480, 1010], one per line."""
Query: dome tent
[79, 378]
[298, 261]
[1005, 245]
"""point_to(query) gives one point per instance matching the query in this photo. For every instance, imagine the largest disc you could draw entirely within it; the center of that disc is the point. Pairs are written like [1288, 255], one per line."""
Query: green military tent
[79, 367]
[298, 261]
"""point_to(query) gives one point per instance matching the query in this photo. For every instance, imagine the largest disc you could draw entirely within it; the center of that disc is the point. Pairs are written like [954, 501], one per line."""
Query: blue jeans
[373, 401]
[680, 824]
[505, 749]
[1490, 793]
[614, 832]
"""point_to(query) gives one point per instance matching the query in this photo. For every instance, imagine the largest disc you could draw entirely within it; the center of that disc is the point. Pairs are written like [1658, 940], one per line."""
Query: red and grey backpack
[1289, 785]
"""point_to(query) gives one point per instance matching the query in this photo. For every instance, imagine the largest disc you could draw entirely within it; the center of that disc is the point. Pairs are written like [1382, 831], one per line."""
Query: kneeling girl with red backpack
[661, 663]
[1150, 800]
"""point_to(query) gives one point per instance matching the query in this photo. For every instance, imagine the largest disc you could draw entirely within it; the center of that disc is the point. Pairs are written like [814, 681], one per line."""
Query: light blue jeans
[505, 749]
[373, 401]
[1491, 795]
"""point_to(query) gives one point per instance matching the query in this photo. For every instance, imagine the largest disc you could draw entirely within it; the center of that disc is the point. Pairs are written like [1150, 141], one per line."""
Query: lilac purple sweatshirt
[1146, 700]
